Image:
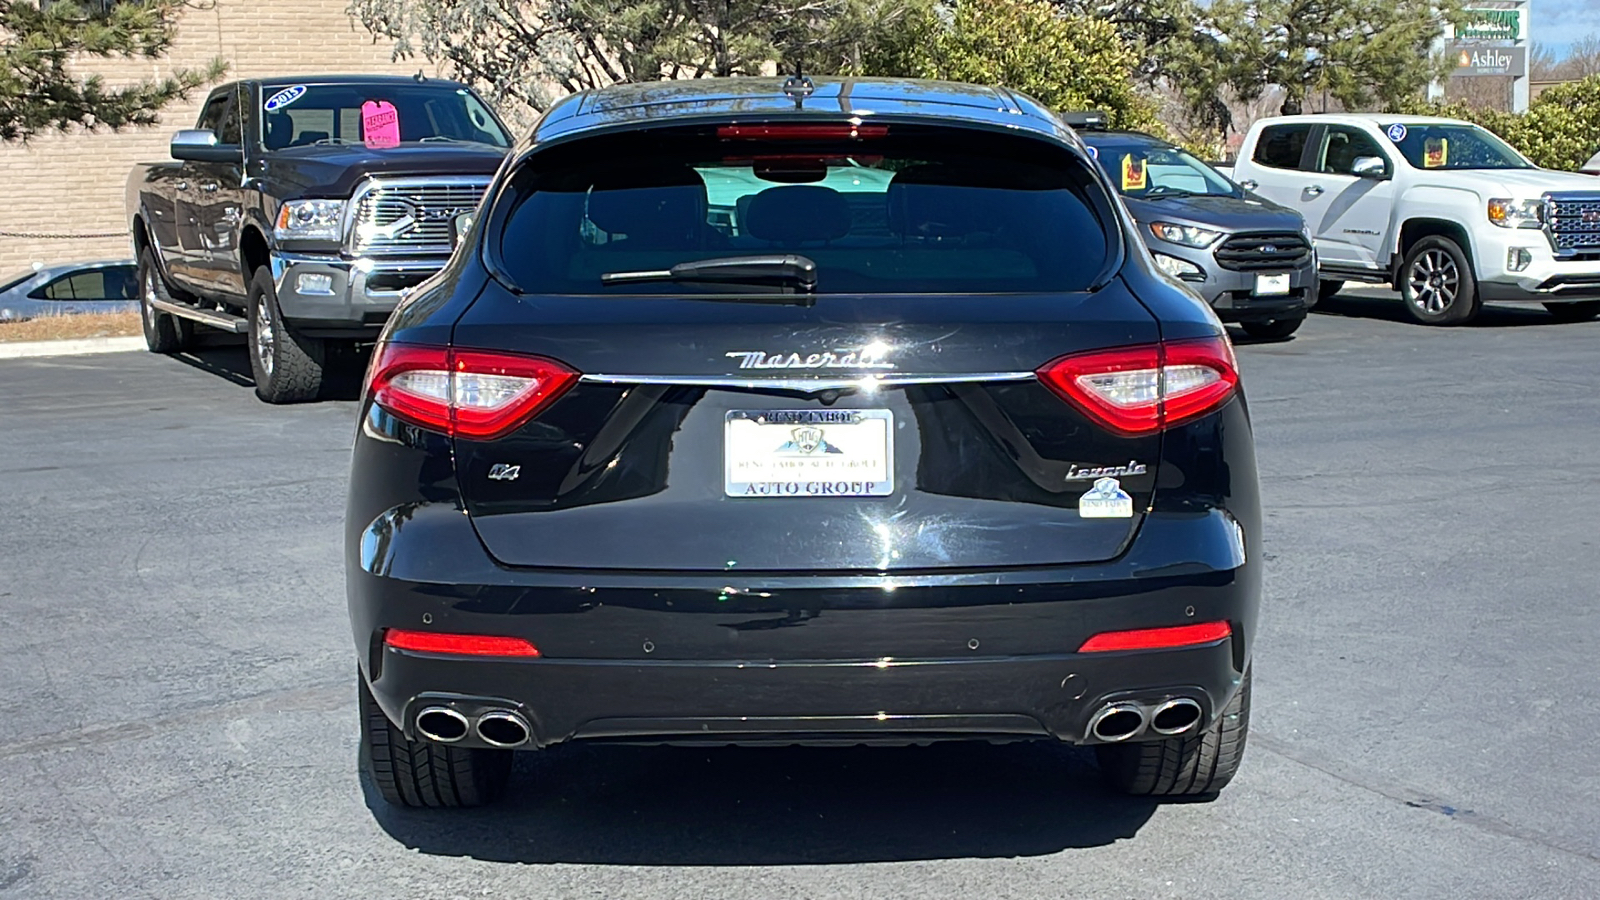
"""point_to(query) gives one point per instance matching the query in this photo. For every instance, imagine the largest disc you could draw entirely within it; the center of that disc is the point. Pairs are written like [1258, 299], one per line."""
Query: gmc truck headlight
[1516, 213]
[1185, 235]
[309, 220]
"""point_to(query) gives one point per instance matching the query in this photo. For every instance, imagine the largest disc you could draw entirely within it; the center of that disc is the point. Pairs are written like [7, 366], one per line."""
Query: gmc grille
[410, 216]
[1267, 250]
[1573, 223]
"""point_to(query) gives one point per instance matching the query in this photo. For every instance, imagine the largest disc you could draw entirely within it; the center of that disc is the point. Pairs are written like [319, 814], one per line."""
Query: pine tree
[39, 92]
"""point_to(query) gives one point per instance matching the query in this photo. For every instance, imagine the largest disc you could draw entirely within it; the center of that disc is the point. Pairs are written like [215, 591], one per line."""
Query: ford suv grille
[1267, 250]
[1573, 222]
[410, 216]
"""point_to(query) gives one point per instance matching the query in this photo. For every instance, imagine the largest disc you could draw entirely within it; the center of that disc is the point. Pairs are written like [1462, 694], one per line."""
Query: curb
[80, 347]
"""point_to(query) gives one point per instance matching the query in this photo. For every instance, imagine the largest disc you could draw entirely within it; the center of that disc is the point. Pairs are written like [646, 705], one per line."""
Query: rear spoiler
[1085, 120]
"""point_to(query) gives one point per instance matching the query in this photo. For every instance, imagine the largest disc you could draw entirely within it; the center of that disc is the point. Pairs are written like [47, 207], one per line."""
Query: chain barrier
[49, 236]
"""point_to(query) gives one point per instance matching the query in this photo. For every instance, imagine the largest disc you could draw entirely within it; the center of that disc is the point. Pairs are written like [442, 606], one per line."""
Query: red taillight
[1142, 389]
[473, 394]
[463, 644]
[814, 131]
[1157, 638]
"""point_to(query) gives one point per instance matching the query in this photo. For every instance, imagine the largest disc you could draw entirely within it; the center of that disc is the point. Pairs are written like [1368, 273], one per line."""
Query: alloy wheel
[266, 336]
[1434, 280]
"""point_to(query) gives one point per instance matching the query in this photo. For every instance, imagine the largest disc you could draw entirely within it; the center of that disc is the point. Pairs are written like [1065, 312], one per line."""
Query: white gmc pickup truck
[1444, 211]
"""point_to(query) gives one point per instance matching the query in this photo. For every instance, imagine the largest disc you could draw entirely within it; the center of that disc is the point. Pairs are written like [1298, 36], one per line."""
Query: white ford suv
[1443, 210]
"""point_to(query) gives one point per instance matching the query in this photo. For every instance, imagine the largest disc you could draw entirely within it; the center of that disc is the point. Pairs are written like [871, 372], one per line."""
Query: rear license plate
[1272, 284]
[809, 453]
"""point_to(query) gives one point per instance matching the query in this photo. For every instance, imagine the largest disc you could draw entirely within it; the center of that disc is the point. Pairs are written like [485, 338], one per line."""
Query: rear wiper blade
[784, 272]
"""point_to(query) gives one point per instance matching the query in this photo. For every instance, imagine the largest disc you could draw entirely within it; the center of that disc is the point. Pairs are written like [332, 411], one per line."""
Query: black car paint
[813, 651]
[160, 193]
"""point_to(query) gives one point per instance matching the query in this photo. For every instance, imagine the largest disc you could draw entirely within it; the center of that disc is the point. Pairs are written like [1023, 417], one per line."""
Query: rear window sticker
[1106, 500]
[1133, 173]
[284, 97]
[380, 124]
[1396, 132]
[1435, 153]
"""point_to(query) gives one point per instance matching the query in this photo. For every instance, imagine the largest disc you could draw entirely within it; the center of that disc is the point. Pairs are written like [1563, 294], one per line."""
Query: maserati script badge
[870, 357]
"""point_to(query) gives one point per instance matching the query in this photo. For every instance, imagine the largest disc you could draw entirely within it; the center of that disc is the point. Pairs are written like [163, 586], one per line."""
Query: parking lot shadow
[674, 806]
[227, 357]
[1392, 309]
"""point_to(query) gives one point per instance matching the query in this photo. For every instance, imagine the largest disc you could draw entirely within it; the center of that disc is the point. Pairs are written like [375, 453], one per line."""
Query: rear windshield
[907, 212]
[297, 115]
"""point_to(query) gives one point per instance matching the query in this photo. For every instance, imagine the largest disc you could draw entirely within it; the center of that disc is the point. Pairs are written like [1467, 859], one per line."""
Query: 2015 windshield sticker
[1106, 500]
[284, 97]
[380, 124]
[1396, 132]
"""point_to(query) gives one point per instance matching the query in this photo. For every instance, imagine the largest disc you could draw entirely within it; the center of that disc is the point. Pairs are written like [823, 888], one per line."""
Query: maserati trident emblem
[504, 472]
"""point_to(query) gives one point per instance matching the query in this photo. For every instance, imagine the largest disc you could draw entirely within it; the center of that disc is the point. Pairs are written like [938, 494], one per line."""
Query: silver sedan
[107, 286]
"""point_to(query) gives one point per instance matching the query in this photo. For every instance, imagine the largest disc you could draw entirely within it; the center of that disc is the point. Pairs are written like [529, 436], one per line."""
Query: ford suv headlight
[1186, 235]
[1516, 213]
[309, 220]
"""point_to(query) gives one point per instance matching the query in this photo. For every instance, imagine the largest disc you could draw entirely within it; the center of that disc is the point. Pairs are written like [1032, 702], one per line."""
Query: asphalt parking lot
[179, 707]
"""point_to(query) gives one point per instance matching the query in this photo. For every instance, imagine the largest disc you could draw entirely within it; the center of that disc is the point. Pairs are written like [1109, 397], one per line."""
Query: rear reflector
[462, 644]
[1142, 389]
[816, 131]
[473, 394]
[1157, 638]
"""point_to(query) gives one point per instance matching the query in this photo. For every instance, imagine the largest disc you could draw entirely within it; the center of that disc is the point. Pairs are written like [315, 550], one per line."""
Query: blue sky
[1557, 23]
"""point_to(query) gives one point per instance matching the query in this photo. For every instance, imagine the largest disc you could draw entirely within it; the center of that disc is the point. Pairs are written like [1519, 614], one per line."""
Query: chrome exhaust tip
[1117, 722]
[503, 729]
[1175, 717]
[442, 724]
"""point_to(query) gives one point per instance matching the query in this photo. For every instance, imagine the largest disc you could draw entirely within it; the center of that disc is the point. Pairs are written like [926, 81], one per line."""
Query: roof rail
[1085, 119]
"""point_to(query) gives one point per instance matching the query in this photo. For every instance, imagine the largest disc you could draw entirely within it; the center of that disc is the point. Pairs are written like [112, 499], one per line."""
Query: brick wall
[73, 183]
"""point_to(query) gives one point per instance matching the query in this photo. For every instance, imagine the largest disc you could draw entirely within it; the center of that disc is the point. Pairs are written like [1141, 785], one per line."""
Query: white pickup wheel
[1437, 283]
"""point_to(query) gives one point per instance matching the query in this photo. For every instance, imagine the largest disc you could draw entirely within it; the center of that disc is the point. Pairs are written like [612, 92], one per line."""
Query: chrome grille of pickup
[1262, 250]
[1573, 223]
[410, 216]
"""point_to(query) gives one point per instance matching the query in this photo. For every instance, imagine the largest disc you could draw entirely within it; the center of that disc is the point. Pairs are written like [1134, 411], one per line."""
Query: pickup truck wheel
[422, 773]
[1437, 283]
[163, 332]
[1190, 765]
[287, 367]
[1272, 329]
[1326, 289]
[1581, 311]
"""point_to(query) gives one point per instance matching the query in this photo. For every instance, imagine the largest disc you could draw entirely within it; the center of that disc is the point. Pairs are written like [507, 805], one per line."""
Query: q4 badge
[1106, 500]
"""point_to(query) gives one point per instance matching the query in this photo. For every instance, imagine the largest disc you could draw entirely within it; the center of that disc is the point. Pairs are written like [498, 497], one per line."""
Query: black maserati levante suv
[779, 411]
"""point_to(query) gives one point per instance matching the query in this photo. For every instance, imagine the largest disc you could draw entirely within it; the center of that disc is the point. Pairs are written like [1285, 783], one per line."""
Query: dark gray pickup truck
[300, 210]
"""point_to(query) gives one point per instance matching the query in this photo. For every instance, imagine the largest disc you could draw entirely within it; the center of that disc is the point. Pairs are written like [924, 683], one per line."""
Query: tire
[423, 773]
[163, 332]
[1272, 329]
[1581, 311]
[1326, 290]
[1193, 765]
[1437, 283]
[287, 366]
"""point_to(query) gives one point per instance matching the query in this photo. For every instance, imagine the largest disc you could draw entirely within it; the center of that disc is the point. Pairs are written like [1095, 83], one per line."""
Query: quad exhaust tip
[1175, 717]
[1117, 722]
[442, 724]
[503, 729]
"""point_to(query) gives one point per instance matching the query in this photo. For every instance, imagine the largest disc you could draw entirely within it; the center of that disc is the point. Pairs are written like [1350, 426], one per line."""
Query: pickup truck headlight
[309, 220]
[1186, 235]
[1516, 213]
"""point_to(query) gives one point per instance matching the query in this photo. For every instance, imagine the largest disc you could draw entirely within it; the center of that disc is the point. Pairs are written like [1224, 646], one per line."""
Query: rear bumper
[654, 658]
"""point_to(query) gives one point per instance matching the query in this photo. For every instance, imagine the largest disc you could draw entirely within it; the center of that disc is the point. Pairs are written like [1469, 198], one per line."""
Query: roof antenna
[419, 77]
[799, 86]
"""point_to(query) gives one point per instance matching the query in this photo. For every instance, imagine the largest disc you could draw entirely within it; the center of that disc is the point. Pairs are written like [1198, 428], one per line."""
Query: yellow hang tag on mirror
[1133, 174]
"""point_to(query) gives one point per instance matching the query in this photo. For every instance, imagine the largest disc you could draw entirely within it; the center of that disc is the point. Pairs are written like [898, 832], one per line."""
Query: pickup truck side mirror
[1369, 167]
[200, 145]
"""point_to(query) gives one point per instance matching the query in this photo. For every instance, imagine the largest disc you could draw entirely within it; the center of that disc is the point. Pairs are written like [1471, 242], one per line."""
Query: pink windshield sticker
[380, 124]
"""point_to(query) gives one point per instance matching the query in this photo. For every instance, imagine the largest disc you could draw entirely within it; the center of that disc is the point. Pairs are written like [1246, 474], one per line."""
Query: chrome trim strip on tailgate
[808, 384]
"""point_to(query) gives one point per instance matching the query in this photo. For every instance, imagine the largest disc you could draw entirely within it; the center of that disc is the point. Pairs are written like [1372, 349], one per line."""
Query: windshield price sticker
[1396, 132]
[284, 97]
[1133, 173]
[380, 124]
[809, 453]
